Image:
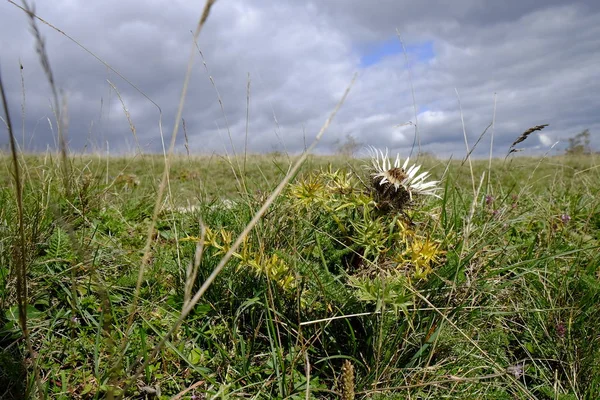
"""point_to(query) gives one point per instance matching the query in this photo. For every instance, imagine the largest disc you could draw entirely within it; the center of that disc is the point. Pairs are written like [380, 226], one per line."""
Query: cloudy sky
[528, 62]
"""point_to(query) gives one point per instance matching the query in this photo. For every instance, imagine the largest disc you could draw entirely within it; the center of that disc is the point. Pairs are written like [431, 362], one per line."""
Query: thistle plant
[395, 185]
[379, 240]
[258, 261]
[419, 256]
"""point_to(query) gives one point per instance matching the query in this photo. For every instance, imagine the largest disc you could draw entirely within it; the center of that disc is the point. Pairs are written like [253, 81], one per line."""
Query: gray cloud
[537, 60]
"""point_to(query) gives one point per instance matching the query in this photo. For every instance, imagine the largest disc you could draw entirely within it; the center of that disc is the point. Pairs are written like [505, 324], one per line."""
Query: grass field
[213, 277]
[491, 291]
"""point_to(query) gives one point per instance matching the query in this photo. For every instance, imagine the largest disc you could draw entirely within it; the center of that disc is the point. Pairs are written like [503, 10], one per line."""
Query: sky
[267, 74]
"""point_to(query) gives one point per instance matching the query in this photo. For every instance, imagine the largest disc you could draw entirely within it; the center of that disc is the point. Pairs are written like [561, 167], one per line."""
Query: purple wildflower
[516, 370]
[561, 330]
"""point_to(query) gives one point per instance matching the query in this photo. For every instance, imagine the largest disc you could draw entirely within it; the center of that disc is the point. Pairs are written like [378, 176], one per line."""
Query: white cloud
[433, 118]
[546, 140]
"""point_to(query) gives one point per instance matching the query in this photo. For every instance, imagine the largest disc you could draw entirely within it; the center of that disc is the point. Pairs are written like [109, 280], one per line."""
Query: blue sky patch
[376, 52]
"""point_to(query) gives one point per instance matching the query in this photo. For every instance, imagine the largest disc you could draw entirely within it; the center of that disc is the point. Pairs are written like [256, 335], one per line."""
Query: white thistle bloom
[400, 176]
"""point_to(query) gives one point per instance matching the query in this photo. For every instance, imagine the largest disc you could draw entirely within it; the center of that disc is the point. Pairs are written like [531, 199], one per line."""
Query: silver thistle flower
[399, 176]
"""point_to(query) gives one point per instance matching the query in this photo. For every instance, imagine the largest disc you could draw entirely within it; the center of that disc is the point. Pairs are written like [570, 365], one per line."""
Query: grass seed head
[347, 381]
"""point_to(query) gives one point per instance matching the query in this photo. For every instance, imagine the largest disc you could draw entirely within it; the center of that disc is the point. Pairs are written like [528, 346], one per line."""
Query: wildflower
[565, 218]
[399, 176]
[309, 191]
[561, 330]
[514, 198]
[421, 254]
[489, 199]
[516, 370]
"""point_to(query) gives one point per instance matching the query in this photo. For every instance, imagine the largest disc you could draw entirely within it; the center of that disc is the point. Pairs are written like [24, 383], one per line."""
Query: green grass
[446, 300]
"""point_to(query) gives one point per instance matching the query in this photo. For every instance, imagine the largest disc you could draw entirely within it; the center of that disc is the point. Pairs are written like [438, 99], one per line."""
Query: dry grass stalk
[462, 120]
[20, 251]
[238, 175]
[61, 120]
[187, 143]
[476, 143]
[491, 144]
[417, 137]
[127, 115]
[247, 124]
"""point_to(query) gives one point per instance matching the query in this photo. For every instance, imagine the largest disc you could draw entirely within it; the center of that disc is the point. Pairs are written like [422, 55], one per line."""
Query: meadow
[490, 291]
[294, 277]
